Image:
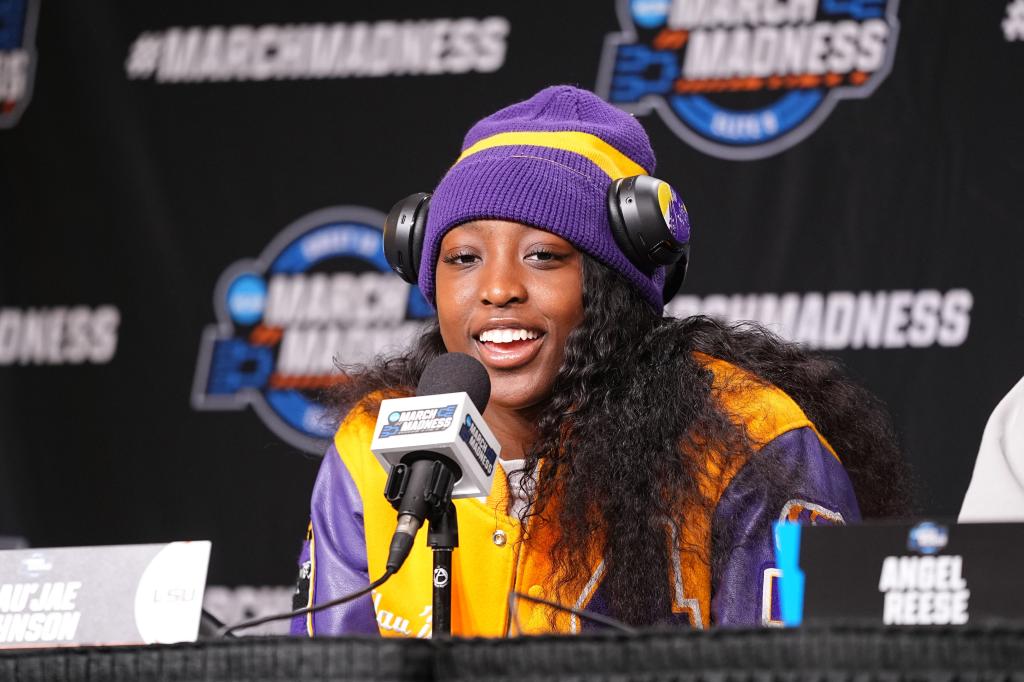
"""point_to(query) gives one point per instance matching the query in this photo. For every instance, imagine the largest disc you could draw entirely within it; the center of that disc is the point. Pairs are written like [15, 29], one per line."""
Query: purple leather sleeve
[298, 624]
[340, 546]
[817, 490]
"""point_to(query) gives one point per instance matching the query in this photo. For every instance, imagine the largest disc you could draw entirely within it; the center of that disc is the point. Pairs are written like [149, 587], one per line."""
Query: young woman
[644, 458]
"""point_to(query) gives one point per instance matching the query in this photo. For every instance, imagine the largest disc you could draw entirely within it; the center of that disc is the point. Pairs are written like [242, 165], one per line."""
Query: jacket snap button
[536, 591]
[499, 538]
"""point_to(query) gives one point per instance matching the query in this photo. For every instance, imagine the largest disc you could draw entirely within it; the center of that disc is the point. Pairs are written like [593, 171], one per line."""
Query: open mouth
[502, 337]
[509, 346]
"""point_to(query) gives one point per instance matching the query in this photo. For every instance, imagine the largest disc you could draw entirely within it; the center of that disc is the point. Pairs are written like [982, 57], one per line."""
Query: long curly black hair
[623, 439]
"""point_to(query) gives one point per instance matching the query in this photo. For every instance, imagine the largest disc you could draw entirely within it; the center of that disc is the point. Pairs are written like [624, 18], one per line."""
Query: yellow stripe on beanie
[614, 163]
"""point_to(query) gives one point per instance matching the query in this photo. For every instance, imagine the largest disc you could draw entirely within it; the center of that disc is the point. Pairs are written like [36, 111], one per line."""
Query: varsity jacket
[351, 527]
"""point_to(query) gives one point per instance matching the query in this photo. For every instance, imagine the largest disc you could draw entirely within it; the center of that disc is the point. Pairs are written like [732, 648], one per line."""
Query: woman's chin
[518, 397]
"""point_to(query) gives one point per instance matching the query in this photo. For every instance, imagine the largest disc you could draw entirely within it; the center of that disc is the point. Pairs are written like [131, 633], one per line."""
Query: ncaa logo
[320, 294]
[927, 538]
[746, 79]
[18, 20]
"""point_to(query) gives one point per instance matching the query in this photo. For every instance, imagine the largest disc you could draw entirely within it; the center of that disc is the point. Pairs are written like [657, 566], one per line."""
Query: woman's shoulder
[358, 419]
[765, 410]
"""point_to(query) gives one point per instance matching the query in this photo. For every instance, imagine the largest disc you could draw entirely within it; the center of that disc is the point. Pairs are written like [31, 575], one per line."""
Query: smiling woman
[510, 295]
[644, 458]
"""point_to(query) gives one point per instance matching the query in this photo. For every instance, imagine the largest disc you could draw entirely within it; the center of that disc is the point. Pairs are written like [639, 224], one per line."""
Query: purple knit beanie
[547, 162]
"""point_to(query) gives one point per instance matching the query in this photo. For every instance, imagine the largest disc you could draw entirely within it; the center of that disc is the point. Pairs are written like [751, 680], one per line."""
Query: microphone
[435, 446]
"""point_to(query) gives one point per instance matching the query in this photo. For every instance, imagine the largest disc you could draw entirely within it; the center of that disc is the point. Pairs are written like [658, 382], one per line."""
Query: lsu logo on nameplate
[18, 20]
[320, 293]
[746, 79]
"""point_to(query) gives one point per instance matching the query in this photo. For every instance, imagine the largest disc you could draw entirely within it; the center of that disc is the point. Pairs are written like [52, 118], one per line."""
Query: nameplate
[924, 573]
[123, 594]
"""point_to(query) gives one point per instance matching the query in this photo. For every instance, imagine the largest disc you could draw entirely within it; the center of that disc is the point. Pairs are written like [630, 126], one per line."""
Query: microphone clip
[421, 484]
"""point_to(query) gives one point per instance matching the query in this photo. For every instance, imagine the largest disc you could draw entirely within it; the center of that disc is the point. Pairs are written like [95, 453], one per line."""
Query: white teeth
[506, 335]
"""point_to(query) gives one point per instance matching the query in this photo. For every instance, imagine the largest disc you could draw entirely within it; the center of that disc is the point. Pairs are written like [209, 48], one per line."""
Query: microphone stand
[443, 537]
[421, 488]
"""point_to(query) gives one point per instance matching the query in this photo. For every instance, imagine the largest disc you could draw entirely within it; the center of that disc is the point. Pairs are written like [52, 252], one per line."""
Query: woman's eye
[542, 255]
[460, 258]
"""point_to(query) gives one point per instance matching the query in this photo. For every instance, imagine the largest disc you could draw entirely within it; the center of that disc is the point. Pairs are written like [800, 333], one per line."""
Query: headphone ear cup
[637, 212]
[639, 223]
[618, 224]
[419, 231]
[404, 229]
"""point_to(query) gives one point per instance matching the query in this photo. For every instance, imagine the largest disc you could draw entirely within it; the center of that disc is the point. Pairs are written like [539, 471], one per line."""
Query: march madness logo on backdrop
[242, 52]
[321, 292]
[745, 79]
[17, 57]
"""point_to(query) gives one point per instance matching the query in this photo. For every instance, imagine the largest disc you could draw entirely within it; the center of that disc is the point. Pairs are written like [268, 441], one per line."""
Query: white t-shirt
[520, 498]
[996, 492]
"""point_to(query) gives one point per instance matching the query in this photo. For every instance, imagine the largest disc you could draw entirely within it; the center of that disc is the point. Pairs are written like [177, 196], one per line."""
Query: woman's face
[508, 295]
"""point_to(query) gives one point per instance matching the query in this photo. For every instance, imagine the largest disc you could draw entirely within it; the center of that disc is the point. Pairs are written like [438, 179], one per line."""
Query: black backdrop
[125, 195]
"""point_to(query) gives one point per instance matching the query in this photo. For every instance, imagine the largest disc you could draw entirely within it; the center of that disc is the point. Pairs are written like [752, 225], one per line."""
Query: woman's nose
[501, 284]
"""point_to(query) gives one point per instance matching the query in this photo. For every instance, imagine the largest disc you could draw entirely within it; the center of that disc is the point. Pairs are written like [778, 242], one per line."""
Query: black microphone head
[455, 372]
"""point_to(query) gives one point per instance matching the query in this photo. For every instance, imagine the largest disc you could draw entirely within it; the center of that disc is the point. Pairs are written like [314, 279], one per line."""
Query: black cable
[581, 613]
[513, 609]
[209, 624]
[224, 632]
[214, 620]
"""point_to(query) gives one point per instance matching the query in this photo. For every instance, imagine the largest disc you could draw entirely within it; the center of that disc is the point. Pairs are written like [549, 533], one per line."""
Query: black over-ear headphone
[639, 226]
